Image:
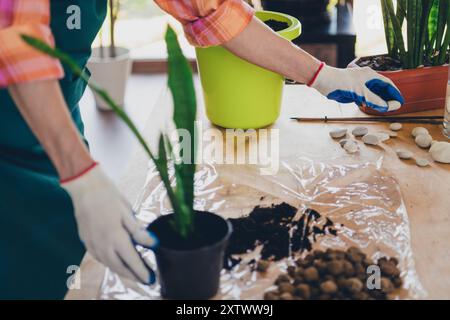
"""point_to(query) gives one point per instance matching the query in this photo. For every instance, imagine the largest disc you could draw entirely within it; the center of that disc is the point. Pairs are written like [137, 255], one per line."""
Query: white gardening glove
[362, 86]
[107, 226]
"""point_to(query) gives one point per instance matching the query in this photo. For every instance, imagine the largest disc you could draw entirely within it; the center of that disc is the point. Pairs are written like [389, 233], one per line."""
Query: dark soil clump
[276, 25]
[209, 229]
[277, 230]
[380, 63]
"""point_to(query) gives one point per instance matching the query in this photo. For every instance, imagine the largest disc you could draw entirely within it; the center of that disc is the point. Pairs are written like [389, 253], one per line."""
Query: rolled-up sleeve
[18, 61]
[209, 22]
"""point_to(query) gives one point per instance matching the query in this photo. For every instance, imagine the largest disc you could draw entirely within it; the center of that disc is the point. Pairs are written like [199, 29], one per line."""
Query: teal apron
[38, 233]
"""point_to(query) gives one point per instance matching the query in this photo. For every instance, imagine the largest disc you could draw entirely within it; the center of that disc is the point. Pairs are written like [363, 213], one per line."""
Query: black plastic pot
[190, 268]
[309, 12]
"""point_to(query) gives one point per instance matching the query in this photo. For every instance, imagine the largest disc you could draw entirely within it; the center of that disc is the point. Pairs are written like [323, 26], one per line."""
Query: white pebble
[338, 133]
[343, 142]
[371, 139]
[419, 130]
[351, 146]
[404, 154]
[421, 162]
[396, 126]
[392, 134]
[360, 131]
[440, 152]
[383, 136]
[424, 140]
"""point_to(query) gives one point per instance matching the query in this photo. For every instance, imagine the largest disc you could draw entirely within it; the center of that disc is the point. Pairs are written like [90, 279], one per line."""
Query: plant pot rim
[218, 243]
[123, 54]
[354, 64]
[292, 32]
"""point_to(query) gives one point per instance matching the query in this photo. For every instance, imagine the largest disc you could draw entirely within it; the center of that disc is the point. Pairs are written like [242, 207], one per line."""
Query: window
[140, 27]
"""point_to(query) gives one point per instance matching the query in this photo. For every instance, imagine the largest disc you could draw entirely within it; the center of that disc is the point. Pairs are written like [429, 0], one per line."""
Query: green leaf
[388, 30]
[428, 36]
[181, 85]
[397, 30]
[183, 218]
[443, 50]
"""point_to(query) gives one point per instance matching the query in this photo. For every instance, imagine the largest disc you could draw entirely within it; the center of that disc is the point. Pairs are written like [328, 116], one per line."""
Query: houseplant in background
[191, 244]
[417, 60]
[110, 65]
[239, 94]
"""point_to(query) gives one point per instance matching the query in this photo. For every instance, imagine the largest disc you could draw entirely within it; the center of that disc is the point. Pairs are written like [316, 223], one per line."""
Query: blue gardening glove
[362, 86]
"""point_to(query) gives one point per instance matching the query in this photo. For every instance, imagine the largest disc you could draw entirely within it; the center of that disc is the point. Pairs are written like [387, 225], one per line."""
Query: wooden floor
[110, 141]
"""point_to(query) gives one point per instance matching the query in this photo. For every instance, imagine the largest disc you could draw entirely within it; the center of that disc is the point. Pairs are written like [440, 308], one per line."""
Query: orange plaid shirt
[205, 22]
[18, 61]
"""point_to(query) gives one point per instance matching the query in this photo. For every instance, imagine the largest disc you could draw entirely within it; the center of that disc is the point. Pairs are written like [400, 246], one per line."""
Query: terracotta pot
[423, 88]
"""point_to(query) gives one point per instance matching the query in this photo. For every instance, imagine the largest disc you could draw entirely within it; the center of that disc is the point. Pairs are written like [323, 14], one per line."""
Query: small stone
[343, 142]
[440, 152]
[421, 162]
[271, 295]
[303, 291]
[351, 147]
[286, 287]
[371, 139]
[328, 287]
[338, 133]
[424, 140]
[388, 269]
[335, 267]
[396, 126]
[404, 154]
[419, 130]
[311, 274]
[360, 131]
[394, 260]
[392, 134]
[348, 269]
[282, 278]
[383, 136]
[386, 285]
[286, 296]
[397, 282]
[354, 285]
[262, 265]
[291, 271]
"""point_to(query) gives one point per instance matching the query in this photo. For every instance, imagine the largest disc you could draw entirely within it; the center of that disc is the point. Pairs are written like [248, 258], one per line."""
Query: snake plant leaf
[182, 215]
[427, 32]
[443, 51]
[426, 9]
[397, 29]
[181, 85]
[388, 30]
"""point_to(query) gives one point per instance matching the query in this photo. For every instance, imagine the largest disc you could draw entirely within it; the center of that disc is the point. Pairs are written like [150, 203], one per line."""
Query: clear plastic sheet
[351, 192]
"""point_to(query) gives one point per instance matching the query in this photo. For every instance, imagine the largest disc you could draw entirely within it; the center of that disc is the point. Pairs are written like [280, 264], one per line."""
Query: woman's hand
[106, 224]
[260, 45]
[362, 86]
[105, 220]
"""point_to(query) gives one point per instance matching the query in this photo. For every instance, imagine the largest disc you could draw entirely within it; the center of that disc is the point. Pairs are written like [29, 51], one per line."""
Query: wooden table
[426, 191]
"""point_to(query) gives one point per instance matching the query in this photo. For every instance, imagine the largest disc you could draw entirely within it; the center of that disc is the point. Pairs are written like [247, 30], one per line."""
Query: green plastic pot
[238, 94]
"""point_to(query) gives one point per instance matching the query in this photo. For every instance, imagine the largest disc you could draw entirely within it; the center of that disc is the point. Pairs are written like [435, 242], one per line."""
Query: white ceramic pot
[111, 73]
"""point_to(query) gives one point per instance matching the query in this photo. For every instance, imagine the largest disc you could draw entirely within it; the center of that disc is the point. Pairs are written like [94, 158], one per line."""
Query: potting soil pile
[348, 204]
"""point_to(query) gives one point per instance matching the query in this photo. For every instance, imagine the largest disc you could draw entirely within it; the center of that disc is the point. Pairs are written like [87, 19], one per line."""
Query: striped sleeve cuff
[19, 62]
[229, 19]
